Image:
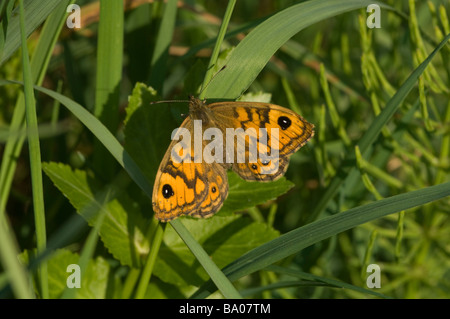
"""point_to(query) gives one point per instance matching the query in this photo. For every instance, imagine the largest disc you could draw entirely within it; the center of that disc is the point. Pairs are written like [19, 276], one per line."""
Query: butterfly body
[197, 187]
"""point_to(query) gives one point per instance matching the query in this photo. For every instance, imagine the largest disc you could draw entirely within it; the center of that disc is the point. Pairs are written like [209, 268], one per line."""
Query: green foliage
[93, 283]
[123, 227]
[372, 187]
[223, 238]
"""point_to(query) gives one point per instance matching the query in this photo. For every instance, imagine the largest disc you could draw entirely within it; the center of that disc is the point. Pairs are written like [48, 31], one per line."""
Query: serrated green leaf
[243, 195]
[141, 95]
[223, 238]
[123, 227]
[94, 280]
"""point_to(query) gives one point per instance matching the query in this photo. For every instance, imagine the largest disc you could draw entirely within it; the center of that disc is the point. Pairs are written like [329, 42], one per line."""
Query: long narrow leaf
[16, 272]
[108, 77]
[216, 51]
[161, 52]
[220, 280]
[5, 14]
[255, 50]
[302, 237]
[151, 259]
[332, 282]
[39, 64]
[35, 13]
[35, 156]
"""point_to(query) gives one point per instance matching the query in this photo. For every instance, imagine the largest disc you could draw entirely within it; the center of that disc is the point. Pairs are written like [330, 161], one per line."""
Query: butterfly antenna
[206, 86]
[170, 101]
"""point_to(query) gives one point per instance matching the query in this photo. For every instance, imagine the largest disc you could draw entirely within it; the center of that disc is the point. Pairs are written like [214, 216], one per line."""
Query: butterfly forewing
[184, 187]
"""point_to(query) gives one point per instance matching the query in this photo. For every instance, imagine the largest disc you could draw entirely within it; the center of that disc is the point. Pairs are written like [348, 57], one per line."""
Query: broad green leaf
[193, 78]
[223, 238]
[148, 129]
[94, 280]
[256, 97]
[243, 195]
[123, 228]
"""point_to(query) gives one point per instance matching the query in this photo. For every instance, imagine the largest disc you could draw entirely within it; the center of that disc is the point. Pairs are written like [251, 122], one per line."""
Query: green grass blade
[5, 12]
[151, 259]
[109, 63]
[39, 64]
[218, 45]
[216, 275]
[35, 13]
[161, 51]
[330, 282]
[255, 50]
[15, 272]
[280, 285]
[35, 157]
[374, 130]
[108, 77]
[302, 237]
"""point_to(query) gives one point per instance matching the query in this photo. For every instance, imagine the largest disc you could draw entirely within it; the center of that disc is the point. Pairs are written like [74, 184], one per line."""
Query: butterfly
[187, 184]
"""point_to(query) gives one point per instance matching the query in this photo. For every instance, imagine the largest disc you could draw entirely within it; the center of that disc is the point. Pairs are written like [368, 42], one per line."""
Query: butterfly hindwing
[184, 187]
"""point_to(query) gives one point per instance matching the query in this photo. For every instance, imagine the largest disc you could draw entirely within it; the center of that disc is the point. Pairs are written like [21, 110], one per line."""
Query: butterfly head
[198, 109]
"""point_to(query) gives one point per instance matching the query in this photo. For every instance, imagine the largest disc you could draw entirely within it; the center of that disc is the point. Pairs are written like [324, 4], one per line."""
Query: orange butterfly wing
[183, 187]
[293, 132]
[188, 188]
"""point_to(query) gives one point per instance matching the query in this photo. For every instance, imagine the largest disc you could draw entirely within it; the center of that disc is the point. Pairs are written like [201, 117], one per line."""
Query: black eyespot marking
[284, 122]
[254, 166]
[213, 189]
[265, 163]
[167, 191]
